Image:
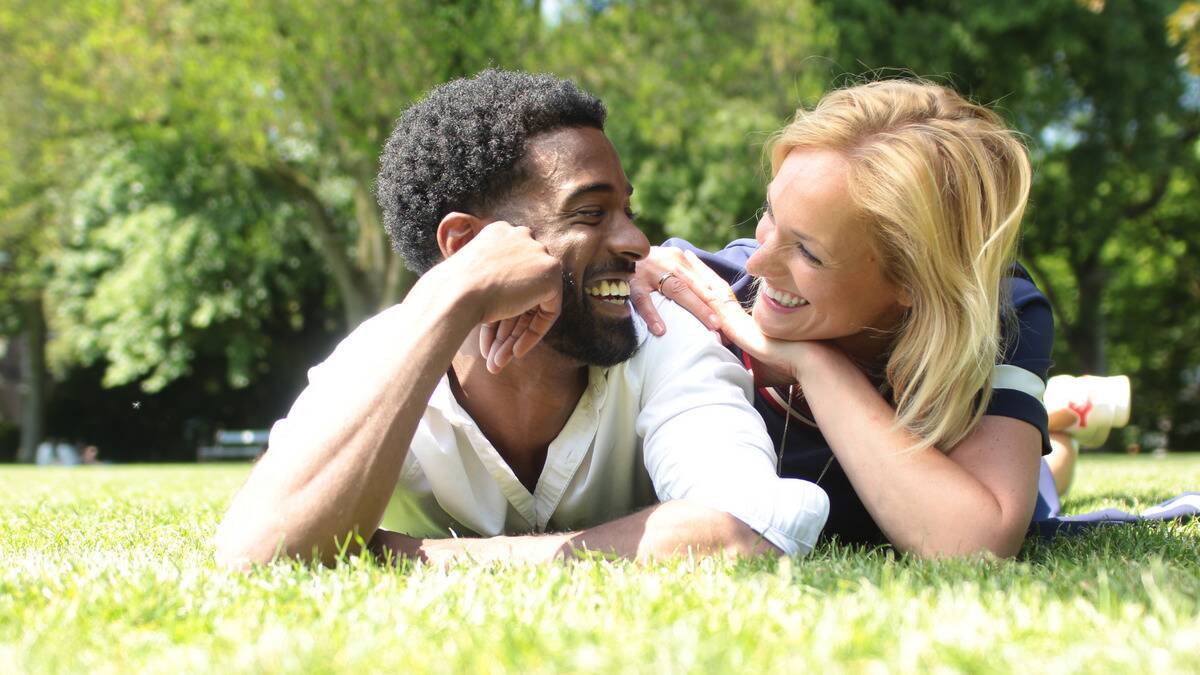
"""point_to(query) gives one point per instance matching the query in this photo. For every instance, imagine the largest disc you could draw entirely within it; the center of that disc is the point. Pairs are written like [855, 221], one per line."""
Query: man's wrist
[448, 285]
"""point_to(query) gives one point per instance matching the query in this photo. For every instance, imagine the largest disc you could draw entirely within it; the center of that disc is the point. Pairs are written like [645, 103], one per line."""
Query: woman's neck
[869, 350]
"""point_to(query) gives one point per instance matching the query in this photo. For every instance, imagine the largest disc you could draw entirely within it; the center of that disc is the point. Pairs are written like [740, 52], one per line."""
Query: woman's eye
[808, 254]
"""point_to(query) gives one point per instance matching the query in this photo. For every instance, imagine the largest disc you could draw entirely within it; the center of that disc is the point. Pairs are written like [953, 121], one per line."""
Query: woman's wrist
[816, 362]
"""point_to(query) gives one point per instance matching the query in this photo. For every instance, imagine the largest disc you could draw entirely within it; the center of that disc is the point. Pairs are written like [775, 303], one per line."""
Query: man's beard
[581, 334]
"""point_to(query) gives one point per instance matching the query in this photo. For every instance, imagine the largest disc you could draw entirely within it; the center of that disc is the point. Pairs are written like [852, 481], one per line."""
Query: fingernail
[656, 328]
[713, 320]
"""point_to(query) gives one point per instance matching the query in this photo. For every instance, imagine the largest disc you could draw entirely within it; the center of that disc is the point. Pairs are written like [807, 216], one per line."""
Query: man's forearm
[661, 531]
[333, 470]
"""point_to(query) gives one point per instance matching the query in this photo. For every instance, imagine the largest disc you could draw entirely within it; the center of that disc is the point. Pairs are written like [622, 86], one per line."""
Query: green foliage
[119, 561]
[166, 251]
[254, 127]
[1184, 29]
[1099, 90]
[693, 97]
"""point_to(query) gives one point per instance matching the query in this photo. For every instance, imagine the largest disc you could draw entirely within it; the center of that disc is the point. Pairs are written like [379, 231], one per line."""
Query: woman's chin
[775, 329]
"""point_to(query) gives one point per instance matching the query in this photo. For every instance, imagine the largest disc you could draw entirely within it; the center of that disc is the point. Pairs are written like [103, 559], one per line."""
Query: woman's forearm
[924, 501]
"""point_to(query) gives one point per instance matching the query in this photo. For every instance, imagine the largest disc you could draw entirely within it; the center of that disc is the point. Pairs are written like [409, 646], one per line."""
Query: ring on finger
[662, 279]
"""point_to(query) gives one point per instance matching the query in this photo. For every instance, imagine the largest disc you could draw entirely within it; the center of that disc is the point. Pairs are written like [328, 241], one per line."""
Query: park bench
[234, 444]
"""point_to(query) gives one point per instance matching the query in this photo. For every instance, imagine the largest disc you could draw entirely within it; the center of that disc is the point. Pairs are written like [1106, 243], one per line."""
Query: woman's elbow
[996, 542]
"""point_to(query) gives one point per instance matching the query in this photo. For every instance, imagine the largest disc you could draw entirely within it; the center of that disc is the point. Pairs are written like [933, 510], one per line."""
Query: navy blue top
[1027, 343]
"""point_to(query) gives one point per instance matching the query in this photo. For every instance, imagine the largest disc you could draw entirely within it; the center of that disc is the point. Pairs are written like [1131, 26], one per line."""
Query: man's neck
[524, 407]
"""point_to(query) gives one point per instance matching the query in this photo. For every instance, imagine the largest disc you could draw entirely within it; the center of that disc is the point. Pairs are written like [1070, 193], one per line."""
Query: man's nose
[629, 241]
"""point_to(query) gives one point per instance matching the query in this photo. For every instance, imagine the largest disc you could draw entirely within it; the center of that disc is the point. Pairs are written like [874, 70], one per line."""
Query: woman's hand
[736, 325]
[669, 272]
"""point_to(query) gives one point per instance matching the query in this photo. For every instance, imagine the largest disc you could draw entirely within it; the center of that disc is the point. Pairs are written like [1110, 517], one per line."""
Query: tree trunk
[359, 299]
[1087, 337]
[33, 381]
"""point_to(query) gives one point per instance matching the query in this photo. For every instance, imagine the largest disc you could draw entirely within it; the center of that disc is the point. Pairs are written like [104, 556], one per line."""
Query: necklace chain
[787, 418]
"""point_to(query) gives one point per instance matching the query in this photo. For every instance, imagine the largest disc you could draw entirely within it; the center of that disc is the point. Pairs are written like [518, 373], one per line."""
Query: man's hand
[519, 288]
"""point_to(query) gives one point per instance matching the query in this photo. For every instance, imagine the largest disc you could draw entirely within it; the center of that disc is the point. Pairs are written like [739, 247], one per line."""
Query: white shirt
[674, 421]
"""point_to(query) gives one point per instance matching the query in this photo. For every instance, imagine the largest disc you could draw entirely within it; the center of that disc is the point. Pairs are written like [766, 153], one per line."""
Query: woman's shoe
[1099, 404]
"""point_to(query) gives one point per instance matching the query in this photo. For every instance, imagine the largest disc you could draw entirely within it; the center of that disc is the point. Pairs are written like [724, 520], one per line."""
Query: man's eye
[590, 213]
[631, 214]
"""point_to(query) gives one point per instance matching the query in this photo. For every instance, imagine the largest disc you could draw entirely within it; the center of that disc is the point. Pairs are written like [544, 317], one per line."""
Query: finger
[487, 336]
[501, 331]
[680, 290]
[736, 324]
[540, 324]
[537, 329]
[639, 296]
[504, 328]
[508, 347]
[708, 284]
[494, 357]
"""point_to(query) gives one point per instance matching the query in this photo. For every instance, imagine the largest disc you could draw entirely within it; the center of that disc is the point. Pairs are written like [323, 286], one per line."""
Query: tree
[300, 92]
[1184, 29]
[208, 125]
[1099, 91]
[692, 97]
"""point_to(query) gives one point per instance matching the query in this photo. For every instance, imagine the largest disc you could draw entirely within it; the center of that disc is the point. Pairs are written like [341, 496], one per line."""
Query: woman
[900, 353]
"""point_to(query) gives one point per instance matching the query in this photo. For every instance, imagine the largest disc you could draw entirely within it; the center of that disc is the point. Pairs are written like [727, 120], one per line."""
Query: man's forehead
[576, 159]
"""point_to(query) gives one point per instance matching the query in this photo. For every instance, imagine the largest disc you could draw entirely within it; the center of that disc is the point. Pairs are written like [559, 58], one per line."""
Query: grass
[109, 569]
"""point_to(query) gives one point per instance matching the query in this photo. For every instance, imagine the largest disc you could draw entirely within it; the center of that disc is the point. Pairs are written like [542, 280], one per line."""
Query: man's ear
[456, 230]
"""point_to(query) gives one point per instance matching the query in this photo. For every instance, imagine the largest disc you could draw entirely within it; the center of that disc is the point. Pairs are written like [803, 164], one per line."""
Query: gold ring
[663, 279]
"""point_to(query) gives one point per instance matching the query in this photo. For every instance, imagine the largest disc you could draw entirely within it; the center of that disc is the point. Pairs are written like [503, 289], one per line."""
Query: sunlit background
[187, 218]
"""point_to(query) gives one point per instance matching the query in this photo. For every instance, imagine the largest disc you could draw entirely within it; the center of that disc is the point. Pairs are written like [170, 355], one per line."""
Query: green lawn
[109, 569]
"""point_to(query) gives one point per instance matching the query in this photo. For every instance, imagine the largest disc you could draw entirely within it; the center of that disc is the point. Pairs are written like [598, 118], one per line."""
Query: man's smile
[613, 291]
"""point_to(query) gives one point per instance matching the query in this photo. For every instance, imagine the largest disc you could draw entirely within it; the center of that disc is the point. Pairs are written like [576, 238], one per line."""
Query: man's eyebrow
[603, 187]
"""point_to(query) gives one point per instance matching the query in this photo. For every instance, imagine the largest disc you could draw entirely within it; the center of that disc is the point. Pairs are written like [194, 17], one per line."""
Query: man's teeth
[616, 292]
[783, 297]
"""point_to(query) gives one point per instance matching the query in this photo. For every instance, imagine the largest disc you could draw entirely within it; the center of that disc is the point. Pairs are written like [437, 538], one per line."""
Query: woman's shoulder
[1021, 289]
[729, 263]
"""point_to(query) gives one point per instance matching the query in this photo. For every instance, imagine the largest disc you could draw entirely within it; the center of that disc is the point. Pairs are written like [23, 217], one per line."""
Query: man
[503, 192]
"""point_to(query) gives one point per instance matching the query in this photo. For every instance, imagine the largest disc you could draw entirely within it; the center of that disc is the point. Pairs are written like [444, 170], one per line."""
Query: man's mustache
[617, 265]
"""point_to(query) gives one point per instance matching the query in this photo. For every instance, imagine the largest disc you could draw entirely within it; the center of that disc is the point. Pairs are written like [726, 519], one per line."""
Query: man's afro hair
[458, 149]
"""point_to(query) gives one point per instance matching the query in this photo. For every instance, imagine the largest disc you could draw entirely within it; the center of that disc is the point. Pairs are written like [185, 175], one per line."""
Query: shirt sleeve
[729, 263]
[1019, 381]
[703, 440]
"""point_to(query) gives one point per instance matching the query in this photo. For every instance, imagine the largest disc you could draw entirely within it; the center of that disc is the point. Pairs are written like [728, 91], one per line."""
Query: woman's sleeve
[1028, 337]
[729, 263]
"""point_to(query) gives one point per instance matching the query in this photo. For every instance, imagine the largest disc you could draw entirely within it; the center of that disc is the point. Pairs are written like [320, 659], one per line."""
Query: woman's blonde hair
[944, 183]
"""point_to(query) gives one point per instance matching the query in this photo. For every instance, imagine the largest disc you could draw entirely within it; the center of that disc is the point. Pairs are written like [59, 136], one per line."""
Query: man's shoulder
[686, 343]
[684, 333]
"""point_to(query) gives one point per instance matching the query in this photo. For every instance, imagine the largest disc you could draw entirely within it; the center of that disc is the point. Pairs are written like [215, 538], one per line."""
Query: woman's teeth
[616, 292]
[783, 297]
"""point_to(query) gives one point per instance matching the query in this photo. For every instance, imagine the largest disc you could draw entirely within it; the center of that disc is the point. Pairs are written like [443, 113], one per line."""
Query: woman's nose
[766, 258]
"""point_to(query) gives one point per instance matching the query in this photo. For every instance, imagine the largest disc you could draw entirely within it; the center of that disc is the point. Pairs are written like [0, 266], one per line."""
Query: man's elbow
[234, 549]
[238, 545]
[680, 527]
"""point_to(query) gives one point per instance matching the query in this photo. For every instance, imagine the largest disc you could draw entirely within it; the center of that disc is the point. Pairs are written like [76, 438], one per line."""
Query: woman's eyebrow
[799, 235]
